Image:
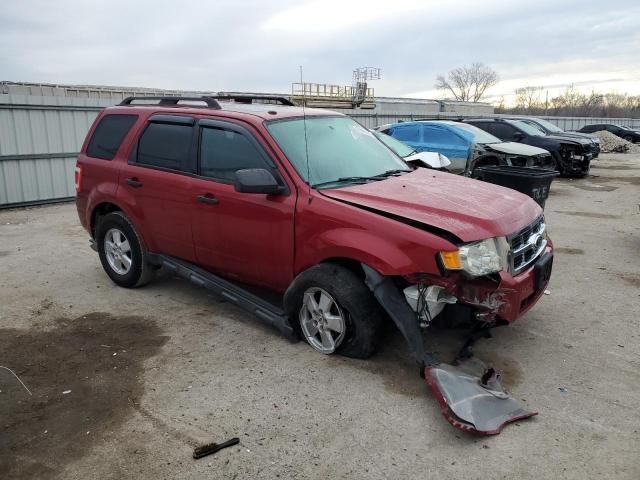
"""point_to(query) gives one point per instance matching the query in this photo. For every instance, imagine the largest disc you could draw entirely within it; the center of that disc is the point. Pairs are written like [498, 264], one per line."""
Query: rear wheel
[121, 251]
[334, 311]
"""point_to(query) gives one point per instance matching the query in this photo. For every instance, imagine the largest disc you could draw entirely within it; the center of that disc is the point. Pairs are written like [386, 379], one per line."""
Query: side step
[263, 310]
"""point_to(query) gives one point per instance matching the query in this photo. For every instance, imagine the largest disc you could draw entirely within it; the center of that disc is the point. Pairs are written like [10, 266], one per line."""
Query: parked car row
[477, 142]
[466, 146]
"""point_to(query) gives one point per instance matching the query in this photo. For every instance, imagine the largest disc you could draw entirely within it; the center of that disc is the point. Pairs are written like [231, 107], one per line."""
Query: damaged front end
[505, 154]
[575, 158]
[470, 394]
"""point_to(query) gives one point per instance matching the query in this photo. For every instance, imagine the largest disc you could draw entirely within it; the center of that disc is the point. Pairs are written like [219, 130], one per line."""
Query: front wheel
[121, 251]
[628, 138]
[334, 311]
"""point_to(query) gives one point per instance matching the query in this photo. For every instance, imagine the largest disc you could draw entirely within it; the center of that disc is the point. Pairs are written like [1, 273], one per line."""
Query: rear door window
[109, 134]
[225, 151]
[440, 135]
[409, 133]
[501, 130]
[166, 145]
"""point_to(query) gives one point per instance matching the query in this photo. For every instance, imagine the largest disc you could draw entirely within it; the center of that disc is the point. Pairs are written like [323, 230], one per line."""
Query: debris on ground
[610, 143]
[17, 378]
[210, 448]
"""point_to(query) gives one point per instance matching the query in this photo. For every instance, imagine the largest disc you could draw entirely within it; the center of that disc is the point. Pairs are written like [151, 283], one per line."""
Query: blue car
[466, 146]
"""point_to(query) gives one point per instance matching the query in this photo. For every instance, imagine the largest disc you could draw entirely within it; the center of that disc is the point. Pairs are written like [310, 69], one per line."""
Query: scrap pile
[610, 143]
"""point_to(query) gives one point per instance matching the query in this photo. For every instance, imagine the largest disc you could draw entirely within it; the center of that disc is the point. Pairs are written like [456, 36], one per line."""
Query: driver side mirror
[518, 136]
[257, 180]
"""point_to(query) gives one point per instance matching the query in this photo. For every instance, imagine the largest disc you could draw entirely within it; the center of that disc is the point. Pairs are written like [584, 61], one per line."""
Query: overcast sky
[252, 45]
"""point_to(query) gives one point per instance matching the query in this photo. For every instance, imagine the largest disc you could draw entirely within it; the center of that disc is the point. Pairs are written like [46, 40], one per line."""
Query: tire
[628, 138]
[131, 273]
[362, 316]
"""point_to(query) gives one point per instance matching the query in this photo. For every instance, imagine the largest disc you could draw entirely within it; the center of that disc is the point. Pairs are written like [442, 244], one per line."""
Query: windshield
[397, 146]
[525, 127]
[550, 127]
[340, 150]
[479, 135]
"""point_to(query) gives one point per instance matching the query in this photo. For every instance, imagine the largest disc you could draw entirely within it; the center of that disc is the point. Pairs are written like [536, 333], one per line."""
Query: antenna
[306, 142]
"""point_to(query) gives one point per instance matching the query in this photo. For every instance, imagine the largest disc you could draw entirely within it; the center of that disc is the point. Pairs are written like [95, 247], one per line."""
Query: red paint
[267, 240]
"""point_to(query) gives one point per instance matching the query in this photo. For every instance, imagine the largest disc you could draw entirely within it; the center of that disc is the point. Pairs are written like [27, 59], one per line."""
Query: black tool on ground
[534, 182]
[210, 448]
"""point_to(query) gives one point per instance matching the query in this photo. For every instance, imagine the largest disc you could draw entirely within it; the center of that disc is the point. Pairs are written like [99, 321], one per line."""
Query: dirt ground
[125, 383]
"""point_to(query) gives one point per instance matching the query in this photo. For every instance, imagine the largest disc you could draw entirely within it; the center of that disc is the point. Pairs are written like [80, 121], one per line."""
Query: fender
[398, 253]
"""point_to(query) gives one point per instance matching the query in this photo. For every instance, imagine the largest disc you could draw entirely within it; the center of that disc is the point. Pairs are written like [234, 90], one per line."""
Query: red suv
[254, 191]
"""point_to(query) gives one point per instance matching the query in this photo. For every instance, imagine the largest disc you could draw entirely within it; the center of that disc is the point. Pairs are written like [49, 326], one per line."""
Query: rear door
[244, 236]
[156, 183]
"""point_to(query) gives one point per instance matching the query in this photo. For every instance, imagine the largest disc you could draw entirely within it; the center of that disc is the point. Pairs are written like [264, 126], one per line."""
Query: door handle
[208, 198]
[134, 182]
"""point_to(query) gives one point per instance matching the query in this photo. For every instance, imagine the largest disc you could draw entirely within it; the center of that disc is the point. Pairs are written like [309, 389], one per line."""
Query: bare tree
[528, 99]
[468, 83]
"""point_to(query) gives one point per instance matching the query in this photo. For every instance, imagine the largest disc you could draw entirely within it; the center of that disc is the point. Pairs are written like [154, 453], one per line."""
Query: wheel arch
[100, 210]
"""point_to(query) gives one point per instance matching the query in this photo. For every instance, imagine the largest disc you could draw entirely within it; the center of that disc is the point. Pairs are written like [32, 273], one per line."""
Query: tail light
[78, 177]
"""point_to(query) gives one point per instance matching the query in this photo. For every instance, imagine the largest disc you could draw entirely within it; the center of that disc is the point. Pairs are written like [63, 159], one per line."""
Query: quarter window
[109, 134]
[166, 145]
[223, 152]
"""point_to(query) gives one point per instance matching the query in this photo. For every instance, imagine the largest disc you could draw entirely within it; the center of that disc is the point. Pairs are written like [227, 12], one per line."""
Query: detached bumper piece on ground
[472, 398]
[470, 395]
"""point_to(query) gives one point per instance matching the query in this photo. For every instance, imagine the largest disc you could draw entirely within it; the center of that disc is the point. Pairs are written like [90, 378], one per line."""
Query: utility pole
[546, 103]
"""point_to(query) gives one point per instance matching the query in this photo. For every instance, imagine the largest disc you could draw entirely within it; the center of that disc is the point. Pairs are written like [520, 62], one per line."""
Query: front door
[243, 236]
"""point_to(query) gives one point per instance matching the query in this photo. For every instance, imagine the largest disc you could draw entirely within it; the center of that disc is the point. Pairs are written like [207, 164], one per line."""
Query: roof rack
[210, 100]
[173, 101]
[249, 98]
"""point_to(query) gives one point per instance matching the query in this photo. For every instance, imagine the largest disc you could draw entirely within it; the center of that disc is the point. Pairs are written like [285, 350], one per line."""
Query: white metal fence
[370, 120]
[40, 138]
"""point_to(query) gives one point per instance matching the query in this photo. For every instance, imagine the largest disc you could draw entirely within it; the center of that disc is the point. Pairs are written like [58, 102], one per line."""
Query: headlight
[477, 258]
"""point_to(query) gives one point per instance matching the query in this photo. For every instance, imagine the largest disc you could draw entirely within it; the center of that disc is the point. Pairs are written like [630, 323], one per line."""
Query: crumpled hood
[469, 209]
[577, 135]
[574, 140]
[513, 148]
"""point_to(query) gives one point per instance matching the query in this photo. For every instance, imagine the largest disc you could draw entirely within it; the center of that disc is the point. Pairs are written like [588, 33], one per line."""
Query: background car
[549, 128]
[465, 146]
[629, 134]
[572, 156]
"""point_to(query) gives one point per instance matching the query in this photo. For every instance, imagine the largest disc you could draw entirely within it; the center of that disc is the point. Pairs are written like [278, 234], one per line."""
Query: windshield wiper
[388, 173]
[373, 178]
[347, 180]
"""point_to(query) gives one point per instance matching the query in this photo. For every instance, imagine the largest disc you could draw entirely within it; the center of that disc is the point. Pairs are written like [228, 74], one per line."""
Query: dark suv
[628, 133]
[572, 156]
[549, 128]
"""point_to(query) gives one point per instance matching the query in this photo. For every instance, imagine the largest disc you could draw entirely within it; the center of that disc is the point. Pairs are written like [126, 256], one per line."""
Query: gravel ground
[152, 372]
[610, 143]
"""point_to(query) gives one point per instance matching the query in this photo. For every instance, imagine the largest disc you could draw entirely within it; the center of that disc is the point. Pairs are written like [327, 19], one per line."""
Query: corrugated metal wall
[39, 141]
[40, 137]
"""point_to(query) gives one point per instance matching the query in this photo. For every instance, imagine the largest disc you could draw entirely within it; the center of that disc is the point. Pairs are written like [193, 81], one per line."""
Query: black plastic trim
[262, 309]
[177, 119]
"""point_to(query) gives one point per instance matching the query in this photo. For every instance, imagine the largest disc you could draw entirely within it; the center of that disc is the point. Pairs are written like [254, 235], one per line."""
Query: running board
[263, 310]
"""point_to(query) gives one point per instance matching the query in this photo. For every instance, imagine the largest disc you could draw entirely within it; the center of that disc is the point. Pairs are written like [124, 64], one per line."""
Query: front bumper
[511, 298]
[501, 299]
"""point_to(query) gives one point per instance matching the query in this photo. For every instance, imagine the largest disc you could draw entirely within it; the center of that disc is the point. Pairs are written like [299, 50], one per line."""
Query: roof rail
[173, 101]
[249, 98]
